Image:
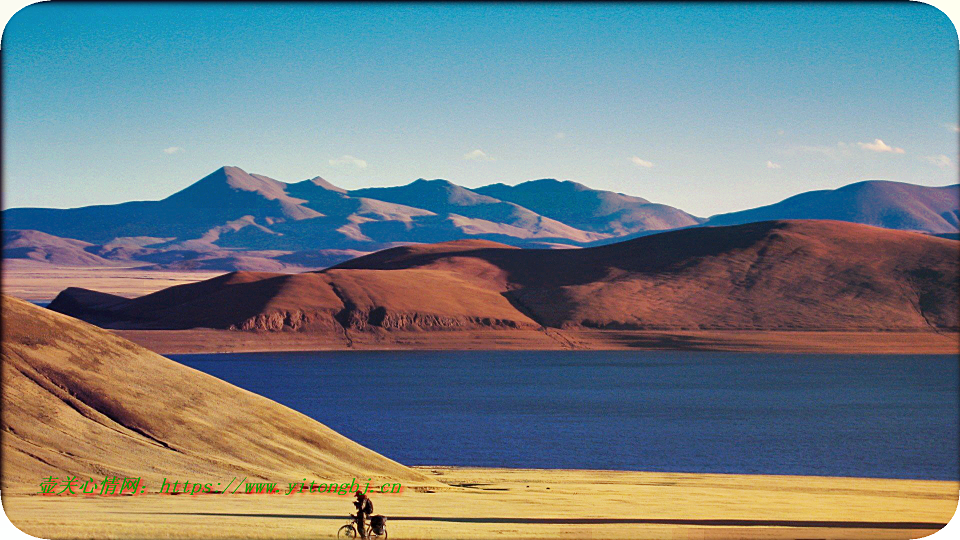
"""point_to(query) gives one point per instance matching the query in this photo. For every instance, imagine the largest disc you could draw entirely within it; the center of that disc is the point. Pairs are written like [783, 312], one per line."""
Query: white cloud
[641, 162]
[772, 165]
[879, 146]
[348, 161]
[953, 127]
[560, 135]
[477, 155]
[941, 161]
[172, 150]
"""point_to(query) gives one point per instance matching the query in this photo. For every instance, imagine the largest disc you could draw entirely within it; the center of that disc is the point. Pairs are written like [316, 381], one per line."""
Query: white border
[9, 7]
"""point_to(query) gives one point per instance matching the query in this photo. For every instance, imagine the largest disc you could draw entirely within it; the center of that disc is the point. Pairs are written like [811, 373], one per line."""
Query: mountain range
[233, 220]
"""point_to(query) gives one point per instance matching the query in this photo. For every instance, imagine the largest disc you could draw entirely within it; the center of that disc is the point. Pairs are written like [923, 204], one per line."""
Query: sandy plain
[517, 503]
[40, 282]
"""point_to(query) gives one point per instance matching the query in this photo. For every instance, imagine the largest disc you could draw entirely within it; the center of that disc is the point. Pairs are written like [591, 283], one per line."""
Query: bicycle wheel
[347, 531]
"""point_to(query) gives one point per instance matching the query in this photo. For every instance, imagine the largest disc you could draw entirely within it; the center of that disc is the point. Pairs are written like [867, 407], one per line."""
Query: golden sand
[515, 503]
[42, 282]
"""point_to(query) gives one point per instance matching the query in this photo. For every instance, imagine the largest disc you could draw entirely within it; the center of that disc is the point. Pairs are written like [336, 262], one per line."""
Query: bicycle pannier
[377, 523]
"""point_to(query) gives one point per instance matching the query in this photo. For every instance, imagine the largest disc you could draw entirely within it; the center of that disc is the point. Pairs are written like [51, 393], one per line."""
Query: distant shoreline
[206, 341]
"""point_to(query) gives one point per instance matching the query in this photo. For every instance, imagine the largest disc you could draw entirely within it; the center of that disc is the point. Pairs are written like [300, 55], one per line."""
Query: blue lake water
[830, 415]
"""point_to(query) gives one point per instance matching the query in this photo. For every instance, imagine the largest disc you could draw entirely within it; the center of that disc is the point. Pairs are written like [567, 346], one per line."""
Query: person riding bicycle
[364, 509]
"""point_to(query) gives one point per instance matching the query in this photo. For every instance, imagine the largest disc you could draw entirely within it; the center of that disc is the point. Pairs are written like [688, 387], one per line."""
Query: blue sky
[710, 107]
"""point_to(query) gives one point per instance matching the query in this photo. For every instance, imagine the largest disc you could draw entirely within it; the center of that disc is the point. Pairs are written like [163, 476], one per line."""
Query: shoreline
[208, 341]
[594, 471]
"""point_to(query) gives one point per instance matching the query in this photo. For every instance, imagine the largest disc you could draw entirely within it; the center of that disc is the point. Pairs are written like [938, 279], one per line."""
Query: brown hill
[770, 275]
[80, 401]
[781, 275]
[329, 301]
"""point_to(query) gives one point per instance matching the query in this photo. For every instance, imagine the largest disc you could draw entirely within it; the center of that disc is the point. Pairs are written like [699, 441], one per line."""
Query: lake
[890, 416]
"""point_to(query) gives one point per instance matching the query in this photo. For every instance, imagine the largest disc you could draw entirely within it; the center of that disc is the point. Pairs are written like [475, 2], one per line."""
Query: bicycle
[350, 530]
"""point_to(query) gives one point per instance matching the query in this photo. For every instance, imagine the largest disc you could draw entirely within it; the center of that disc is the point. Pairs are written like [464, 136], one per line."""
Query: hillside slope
[80, 401]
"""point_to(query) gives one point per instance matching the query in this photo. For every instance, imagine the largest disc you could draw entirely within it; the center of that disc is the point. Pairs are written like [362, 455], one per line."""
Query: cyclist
[364, 509]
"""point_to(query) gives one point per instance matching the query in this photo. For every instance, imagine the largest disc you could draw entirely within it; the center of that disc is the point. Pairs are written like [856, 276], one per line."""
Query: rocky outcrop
[380, 317]
[296, 321]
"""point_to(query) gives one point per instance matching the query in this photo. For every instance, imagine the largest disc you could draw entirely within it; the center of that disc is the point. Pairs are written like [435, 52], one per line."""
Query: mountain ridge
[882, 203]
[589, 209]
[233, 220]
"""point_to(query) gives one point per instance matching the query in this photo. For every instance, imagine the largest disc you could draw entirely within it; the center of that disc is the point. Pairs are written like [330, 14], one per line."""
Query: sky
[710, 108]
